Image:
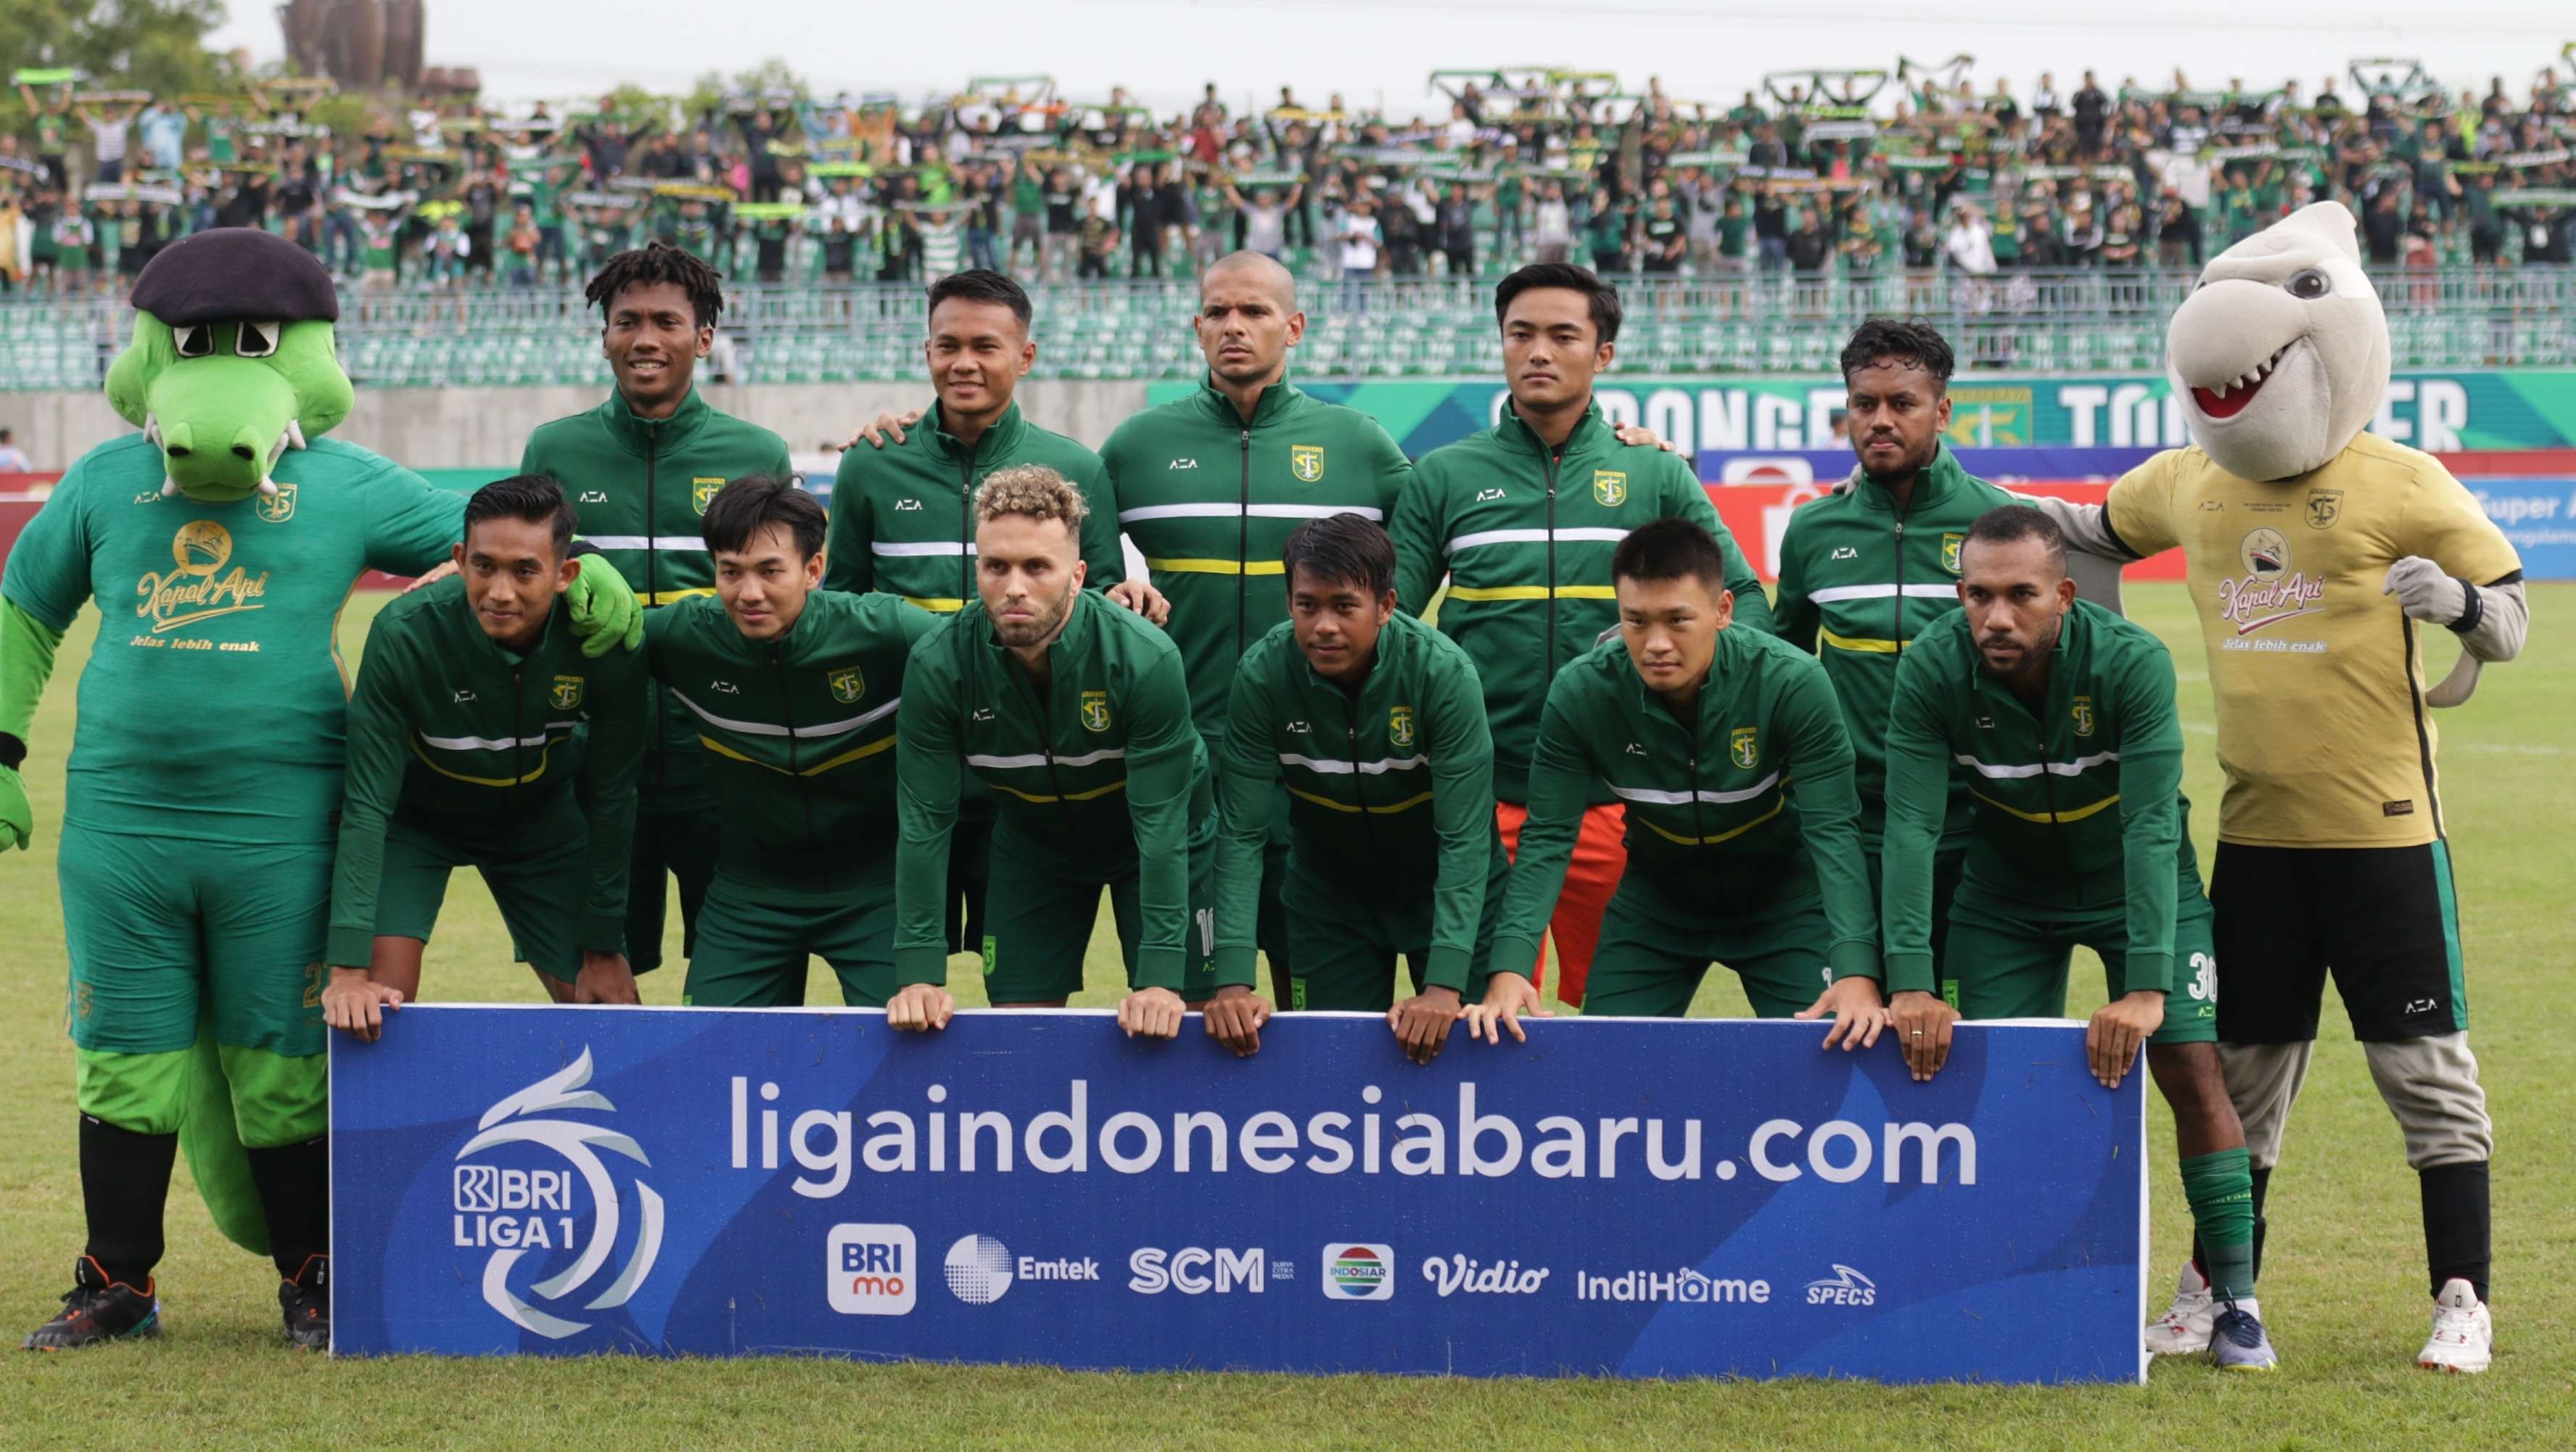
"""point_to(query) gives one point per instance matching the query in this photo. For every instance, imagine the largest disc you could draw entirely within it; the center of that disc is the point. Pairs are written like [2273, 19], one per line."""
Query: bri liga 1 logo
[519, 1210]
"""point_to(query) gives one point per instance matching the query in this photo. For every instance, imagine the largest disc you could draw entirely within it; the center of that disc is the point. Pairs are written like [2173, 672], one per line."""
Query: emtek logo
[1847, 1288]
[979, 1269]
[871, 1270]
[1151, 1271]
[1355, 1272]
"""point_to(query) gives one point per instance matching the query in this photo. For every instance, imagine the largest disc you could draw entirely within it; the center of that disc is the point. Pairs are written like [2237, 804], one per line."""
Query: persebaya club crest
[1399, 726]
[2083, 714]
[2325, 506]
[566, 694]
[1306, 461]
[702, 492]
[1095, 710]
[847, 685]
[276, 508]
[1744, 746]
[1950, 551]
[1610, 486]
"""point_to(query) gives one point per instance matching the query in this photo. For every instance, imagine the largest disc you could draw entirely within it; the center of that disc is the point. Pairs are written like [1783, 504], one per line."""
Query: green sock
[2220, 1189]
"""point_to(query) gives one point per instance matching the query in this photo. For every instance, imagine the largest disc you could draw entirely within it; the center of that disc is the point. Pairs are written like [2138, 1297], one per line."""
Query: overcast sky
[1383, 49]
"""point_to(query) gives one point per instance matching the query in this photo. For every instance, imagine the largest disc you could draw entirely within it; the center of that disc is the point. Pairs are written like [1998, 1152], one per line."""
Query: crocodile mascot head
[232, 361]
[2280, 355]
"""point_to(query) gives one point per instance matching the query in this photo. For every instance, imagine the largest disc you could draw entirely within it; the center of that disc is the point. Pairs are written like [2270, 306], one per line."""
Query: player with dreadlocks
[641, 468]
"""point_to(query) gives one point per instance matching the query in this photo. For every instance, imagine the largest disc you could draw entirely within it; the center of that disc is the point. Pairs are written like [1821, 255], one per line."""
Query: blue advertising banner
[1622, 1197]
[2538, 516]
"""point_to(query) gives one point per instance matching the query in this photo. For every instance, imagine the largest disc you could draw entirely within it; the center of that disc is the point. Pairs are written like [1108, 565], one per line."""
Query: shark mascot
[219, 543]
[2318, 555]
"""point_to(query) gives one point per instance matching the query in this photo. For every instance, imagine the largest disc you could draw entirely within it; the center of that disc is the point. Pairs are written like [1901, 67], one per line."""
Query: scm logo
[1194, 1271]
[871, 1270]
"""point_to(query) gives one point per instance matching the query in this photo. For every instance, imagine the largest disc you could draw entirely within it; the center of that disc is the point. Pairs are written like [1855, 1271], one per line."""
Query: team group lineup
[940, 717]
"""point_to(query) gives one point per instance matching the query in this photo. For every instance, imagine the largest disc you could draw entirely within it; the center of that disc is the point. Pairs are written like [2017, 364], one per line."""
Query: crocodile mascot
[2318, 555]
[219, 543]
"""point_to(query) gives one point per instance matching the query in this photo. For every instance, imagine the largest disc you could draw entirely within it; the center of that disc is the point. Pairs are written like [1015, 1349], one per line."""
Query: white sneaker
[2463, 1331]
[2184, 1327]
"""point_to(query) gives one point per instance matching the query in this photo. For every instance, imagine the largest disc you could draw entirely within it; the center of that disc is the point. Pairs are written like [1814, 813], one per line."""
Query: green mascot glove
[17, 819]
[605, 613]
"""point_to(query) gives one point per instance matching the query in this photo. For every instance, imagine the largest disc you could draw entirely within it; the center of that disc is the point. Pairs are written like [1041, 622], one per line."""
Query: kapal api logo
[515, 1210]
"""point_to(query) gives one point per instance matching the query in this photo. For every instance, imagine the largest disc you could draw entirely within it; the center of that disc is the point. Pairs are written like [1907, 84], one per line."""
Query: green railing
[2028, 321]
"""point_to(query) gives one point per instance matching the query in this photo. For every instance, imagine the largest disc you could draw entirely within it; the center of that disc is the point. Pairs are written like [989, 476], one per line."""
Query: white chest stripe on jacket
[647, 542]
[801, 733]
[1233, 511]
[1884, 591]
[482, 743]
[1040, 758]
[918, 548]
[1530, 536]
[1683, 799]
[2077, 767]
[1329, 767]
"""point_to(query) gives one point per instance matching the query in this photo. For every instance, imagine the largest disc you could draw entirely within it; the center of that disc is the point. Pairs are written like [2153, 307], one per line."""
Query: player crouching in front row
[2063, 713]
[1074, 711]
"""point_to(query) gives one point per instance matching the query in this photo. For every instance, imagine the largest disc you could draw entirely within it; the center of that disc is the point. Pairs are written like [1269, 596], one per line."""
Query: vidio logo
[515, 1209]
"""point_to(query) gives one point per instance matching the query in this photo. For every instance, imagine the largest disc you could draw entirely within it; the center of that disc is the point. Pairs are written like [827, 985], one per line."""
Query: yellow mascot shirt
[2322, 726]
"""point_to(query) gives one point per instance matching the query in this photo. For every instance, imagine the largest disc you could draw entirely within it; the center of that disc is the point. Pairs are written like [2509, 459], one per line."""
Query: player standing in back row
[1863, 572]
[1523, 519]
[642, 469]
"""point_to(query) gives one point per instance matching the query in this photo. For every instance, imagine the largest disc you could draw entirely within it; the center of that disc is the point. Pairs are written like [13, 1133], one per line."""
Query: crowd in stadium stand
[1851, 172]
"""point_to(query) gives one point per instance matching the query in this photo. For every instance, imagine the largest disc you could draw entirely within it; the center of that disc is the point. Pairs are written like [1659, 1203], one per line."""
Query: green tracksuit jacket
[1210, 497]
[1099, 766]
[448, 725]
[799, 733]
[1862, 580]
[903, 517]
[1747, 806]
[1524, 534]
[1391, 790]
[641, 487]
[2077, 798]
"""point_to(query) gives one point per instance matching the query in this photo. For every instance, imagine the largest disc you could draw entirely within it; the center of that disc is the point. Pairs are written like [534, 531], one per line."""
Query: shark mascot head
[2280, 355]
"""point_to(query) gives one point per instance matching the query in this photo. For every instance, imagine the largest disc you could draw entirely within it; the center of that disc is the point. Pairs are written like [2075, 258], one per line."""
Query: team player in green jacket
[1864, 571]
[2062, 713]
[1375, 724]
[1075, 712]
[642, 469]
[794, 690]
[903, 510]
[1728, 750]
[1210, 486]
[1522, 519]
[457, 728]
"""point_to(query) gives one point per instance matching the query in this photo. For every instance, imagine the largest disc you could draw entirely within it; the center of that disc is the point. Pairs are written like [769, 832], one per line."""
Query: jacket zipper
[787, 714]
[1243, 545]
[1549, 461]
[518, 729]
[1044, 701]
[966, 527]
[1359, 788]
[652, 572]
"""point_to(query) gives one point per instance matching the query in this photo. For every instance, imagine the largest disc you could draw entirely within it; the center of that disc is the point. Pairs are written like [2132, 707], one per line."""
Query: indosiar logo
[1355, 1272]
[515, 1209]
[979, 1270]
[871, 1270]
[1847, 1287]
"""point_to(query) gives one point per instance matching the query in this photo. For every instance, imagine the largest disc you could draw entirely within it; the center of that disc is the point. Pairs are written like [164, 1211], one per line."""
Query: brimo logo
[515, 1210]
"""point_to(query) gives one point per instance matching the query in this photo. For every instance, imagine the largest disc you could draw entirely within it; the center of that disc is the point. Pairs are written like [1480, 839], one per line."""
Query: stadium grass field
[2343, 1287]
